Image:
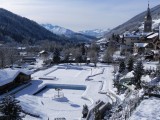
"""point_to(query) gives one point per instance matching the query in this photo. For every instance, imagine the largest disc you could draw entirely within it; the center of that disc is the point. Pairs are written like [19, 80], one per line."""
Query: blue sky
[78, 14]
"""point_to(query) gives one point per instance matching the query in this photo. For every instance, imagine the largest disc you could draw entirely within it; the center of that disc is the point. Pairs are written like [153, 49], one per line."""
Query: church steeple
[148, 21]
[148, 11]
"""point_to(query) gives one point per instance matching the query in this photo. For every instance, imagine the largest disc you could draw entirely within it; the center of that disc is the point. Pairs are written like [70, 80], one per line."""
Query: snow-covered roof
[8, 75]
[152, 36]
[146, 78]
[147, 33]
[134, 54]
[140, 44]
[128, 75]
[155, 51]
[42, 51]
[103, 40]
[88, 58]
[21, 48]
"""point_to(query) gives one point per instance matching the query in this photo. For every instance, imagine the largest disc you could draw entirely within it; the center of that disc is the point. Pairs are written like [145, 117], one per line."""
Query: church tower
[148, 21]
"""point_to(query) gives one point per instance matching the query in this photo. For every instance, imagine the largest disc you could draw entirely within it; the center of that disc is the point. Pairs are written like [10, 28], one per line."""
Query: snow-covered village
[49, 72]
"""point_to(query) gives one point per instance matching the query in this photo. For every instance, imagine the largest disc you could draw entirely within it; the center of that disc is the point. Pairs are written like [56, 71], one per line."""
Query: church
[148, 21]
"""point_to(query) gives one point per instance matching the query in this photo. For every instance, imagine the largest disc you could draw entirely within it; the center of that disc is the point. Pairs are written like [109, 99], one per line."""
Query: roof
[146, 78]
[8, 75]
[21, 48]
[128, 76]
[140, 44]
[103, 40]
[152, 36]
[42, 52]
[147, 33]
[155, 51]
[132, 36]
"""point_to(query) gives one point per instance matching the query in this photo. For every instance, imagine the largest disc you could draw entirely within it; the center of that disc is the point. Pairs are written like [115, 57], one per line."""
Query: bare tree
[93, 54]
[108, 56]
[2, 57]
[12, 56]
[66, 53]
[77, 54]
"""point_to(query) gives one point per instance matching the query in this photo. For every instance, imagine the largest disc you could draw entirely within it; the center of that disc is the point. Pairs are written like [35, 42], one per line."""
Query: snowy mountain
[69, 33]
[58, 30]
[96, 32]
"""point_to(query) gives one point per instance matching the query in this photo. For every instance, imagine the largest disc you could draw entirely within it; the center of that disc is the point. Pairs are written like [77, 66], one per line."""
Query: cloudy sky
[78, 14]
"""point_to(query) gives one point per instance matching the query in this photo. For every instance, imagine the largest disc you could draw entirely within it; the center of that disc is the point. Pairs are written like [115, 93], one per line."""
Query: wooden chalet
[9, 79]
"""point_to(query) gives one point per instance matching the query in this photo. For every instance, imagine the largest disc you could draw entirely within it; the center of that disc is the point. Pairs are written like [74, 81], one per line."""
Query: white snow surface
[147, 110]
[70, 106]
[153, 35]
[140, 44]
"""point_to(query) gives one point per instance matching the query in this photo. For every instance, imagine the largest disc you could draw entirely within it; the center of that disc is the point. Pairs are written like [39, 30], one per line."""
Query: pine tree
[10, 109]
[130, 63]
[158, 71]
[138, 72]
[122, 66]
[85, 111]
[97, 114]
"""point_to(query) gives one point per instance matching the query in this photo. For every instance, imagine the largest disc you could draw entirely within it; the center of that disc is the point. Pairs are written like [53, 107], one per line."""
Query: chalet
[127, 42]
[11, 78]
[140, 47]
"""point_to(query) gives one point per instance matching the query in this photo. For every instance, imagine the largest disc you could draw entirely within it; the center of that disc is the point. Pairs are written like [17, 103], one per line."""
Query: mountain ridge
[14, 27]
[76, 36]
[95, 32]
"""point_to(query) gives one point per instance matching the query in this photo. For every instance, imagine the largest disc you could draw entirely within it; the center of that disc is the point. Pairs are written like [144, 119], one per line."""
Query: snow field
[67, 73]
[69, 106]
[147, 110]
